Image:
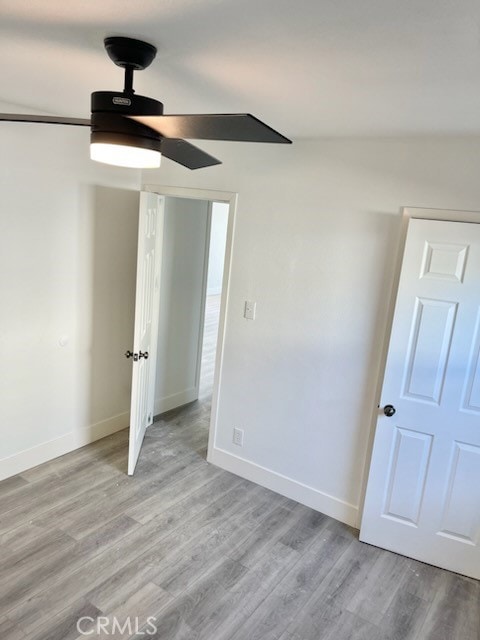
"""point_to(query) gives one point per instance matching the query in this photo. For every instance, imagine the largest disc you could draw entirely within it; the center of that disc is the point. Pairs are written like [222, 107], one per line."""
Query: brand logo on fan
[123, 101]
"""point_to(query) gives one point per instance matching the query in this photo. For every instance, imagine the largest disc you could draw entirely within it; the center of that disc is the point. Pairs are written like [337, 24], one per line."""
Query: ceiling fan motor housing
[109, 124]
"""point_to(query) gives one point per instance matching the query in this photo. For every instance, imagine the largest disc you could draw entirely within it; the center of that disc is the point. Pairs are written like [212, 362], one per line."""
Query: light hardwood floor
[209, 555]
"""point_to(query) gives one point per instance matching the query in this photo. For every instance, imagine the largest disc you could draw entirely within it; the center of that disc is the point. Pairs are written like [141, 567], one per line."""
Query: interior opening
[192, 277]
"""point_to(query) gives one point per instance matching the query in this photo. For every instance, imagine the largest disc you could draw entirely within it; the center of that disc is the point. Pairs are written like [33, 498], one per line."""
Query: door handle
[143, 355]
[389, 410]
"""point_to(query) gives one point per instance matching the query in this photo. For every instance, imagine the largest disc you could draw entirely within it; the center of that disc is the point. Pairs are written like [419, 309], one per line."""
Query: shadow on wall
[114, 229]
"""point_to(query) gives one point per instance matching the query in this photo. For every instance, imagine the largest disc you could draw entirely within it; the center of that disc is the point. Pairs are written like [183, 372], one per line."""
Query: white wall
[218, 239]
[315, 242]
[315, 245]
[67, 275]
[181, 302]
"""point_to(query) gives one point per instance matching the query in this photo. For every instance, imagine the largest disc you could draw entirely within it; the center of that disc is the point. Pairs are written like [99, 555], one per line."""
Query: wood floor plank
[22, 536]
[348, 626]
[199, 555]
[63, 626]
[379, 588]
[170, 627]
[13, 485]
[170, 494]
[117, 494]
[49, 544]
[9, 631]
[238, 603]
[404, 617]
[44, 497]
[306, 527]
[279, 609]
[424, 581]
[122, 585]
[81, 522]
[51, 488]
[253, 547]
[38, 583]
[455, 611]
[330, 596]
[197, 602]
[133, 613]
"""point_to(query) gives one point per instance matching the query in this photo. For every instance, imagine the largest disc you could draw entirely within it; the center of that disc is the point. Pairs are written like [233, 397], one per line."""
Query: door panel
[407, 474]
[460, 518]
[471, 396]
[423, 493]
[433, 323]
[149, 260]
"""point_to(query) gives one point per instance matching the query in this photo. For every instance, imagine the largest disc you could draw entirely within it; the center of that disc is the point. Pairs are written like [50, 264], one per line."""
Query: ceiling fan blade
[187, 154]
[26, 117]
[241, 127]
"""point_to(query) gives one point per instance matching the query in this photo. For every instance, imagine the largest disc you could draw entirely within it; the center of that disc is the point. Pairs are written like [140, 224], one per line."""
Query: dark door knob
[128, 354]
[389, 410]
[143, 355]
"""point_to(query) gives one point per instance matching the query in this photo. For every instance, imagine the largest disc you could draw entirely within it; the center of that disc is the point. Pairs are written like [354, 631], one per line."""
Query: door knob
[143, 355]
[389, 410]
[129, 354]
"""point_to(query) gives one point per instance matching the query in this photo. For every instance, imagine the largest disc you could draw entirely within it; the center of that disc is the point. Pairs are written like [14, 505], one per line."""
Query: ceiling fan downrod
[131, 55]
[128, 83]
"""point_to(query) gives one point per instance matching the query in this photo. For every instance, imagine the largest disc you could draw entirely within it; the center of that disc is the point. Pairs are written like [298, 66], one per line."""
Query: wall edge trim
[162, 405]
[285, 486]
[46, 451]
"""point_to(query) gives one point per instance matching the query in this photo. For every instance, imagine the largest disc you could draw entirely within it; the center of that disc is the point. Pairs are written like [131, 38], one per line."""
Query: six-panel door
[423, 494]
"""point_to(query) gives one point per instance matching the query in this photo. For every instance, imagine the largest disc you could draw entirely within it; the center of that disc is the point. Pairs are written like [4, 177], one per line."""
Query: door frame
[203, 305]
[230, 198]
[407, 213]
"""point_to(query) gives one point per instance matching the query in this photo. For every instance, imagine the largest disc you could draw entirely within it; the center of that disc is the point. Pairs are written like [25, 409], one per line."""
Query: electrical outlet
[238, 437]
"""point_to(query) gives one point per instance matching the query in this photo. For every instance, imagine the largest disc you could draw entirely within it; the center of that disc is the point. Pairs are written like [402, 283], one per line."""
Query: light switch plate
[250, 309]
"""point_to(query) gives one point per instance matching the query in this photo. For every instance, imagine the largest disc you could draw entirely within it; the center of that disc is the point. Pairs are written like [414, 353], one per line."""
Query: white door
[149, 260]
[423, 494]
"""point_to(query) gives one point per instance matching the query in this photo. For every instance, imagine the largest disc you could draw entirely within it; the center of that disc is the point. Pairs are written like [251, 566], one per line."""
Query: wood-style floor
[210, 556]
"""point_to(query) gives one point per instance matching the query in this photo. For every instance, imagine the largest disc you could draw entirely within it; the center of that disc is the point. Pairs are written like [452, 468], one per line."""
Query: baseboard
[310, 497]
[175, 400]
[59, 446]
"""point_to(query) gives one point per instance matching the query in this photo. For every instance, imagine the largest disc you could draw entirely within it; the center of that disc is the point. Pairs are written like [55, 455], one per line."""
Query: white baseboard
[310, 497]
[59, 446]
[175, 400]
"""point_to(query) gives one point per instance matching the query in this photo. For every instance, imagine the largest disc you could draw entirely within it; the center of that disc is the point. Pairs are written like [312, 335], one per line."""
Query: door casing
[231, 199]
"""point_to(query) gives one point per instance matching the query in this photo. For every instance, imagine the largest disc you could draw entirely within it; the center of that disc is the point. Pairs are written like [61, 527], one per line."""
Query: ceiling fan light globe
[121, 155]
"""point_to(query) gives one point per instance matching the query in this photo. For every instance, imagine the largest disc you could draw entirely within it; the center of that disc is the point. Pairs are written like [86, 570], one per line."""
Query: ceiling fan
[131, 131]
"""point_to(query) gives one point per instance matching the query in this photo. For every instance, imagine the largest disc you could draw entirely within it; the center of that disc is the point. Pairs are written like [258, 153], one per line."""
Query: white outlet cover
[238, 437]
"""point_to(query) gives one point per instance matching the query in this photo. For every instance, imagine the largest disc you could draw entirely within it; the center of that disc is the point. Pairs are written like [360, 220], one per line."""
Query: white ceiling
[307, 67]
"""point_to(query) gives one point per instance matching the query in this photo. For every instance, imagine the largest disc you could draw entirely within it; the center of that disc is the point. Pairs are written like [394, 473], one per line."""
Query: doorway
[191, 284]
[187, 348]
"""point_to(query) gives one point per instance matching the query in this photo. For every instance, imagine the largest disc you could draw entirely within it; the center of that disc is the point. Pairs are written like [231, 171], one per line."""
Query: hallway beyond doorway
[210, 334]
